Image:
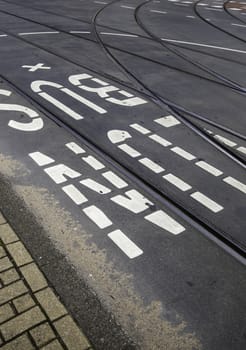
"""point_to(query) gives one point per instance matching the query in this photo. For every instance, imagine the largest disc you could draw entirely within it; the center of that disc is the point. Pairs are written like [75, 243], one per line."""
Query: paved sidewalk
[31, 315]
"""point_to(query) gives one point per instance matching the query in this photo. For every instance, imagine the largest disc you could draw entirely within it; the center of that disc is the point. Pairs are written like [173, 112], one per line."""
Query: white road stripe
[41, 159]
[97, 216]
[75, 148]
[156, 11]
[207, 202]
[95, 186]
[114, 179]
[127, 7]
[132, 200]
[235, 183]
[38, 33]
[211, 8]
[167, 121]
[100, 2]
[176, 181]
[160, 140]
[209, 168]
[120, 34]
[190, 16]
[163, 220]
[151, 165]
[129, 150]
[203, 45]
[125, 244]
[140, 129]
[3, 35]
[93, 162]
[238, 25]
[76, 196]
[181, 152]
[79, 32]
[242, 149]
[225, 140]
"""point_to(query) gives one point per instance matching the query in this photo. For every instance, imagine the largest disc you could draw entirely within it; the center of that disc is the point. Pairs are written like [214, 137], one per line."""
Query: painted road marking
[133, 201]
[97, 216]
[95, 186]
[151, 165]
[76, 196]
[100, 2]
[163, 220]
[36, 67]
[207, 202]
[3, 35]
[114, 179]
[120, 34]
[209, 168]
[140, 129]
[225, 140]
[182, 153]
[203, 45]
[75, 148]
[160, 140]
[176, 181]
[167, 121]
[93, 162]
[238, 25]
[242, 149]
[156, 11]
[79, 32]
[190, 16]
[127, 7]
[38, 33]
[41, 159]
[125, 244]
[211, 8]
[235, 183]
[129, 150]
[59, 172]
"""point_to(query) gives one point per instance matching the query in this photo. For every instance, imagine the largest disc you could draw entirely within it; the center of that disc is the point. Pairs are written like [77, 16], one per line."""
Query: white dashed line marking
[79, 32]
[176, 181]
[235, 183]
[225, 140]
[160, 140]
[97, 216]
[156, 11]
[133, 201]
[120, 34]
[140, 129]
[125, 244]
[207, 202]
[129, 150]
[181, 152]
[127, 7]
[163, 220]
[93, 162]
[37, 33]
[203, 45]
[167, 121]
[242, 149]
[3, 35]
[114, 179]
[151, 165]
[95, 186]
[75, 148]
[209, 168]
[41, 159]
[76, 196]
[238, 25]
[190, 16]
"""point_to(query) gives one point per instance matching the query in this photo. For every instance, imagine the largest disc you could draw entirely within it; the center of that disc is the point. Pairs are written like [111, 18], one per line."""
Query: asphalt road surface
[122, 152]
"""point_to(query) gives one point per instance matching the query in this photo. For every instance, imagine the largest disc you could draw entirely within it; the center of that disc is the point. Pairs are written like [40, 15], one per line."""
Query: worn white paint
[207, 202]
[75, 148]
[166, 222]
[125, 244]
[140, 128]
[76, 196]
[97, 216]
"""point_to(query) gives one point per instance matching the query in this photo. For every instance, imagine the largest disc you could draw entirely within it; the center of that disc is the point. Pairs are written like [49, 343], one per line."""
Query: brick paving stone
[70, 334]
[34, 277]
[6, 312]
[2, 252]
[42, 334]
[19, 253]
[9, 276]
[50, 303]
[12, 291]
[23, 303]
[55, 345]
[20, 343]
[5, 263]
[22, 323]
[7, 235]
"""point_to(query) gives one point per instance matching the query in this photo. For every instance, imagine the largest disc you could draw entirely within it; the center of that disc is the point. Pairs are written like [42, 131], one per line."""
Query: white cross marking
[36, 67]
